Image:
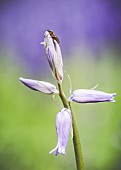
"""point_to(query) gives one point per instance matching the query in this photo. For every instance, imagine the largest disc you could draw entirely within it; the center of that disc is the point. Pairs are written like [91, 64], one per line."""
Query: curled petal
[91, 96]
[41, 86]
[50, 57]
[54, 56]
[48, 40]
[63, 125]
[58, 60]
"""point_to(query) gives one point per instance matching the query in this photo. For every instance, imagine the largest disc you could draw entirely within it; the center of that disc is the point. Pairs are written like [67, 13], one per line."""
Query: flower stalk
[76, 138]
[77, 144]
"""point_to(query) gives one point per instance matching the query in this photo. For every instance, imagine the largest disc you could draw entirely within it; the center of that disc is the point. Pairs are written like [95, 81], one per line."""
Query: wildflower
[64, 117]
[63, 125]
[41, 86]
[53, 53]
[91, 96]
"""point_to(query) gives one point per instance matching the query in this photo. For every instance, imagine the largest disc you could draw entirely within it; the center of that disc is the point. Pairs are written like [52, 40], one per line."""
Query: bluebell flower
[41, 86]
[54, 56]
[63, 126]
[91, 96]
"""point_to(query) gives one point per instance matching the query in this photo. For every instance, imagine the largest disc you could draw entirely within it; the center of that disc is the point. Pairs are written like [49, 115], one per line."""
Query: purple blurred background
[93, 25]
[90, 35]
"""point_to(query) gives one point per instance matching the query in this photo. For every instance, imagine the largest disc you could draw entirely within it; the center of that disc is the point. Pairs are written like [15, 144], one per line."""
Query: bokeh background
[90, 35]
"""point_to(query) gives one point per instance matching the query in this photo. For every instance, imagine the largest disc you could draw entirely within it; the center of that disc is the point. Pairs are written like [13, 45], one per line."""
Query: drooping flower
[63, 125]
[53, 53]
[91, 96]
[41, 86]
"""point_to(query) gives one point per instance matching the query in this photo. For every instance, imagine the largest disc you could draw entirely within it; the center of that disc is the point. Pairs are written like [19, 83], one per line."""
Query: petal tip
[112, 97]
[113, 101]
[114, 94]
[21, 79]
[42, 43]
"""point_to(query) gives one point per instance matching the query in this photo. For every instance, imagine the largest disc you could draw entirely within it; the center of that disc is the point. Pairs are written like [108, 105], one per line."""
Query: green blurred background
[27, 119]
[89, 32]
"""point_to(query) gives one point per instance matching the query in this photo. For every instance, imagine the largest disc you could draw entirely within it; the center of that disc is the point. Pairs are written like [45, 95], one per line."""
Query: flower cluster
[64, 117]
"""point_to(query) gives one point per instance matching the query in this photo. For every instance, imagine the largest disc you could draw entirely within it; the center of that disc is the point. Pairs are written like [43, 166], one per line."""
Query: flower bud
[41, 86]
[53, 53]
[91, 96]
[63, 125]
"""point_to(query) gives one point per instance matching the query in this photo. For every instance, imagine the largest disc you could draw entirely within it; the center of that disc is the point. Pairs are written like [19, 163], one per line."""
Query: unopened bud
[91, 96]
[53, 53]
[41, 86]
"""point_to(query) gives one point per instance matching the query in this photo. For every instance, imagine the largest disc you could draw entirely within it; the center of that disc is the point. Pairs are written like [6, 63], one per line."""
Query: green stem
[76, 139]
[62, 96]
[77, 144]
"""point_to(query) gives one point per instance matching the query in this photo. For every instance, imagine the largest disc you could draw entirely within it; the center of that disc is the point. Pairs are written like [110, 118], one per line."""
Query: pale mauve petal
[41, 86]
[58, 60]
[91, 96]
[50, 57]
[63, 125]
[48, 39]
[54, 56]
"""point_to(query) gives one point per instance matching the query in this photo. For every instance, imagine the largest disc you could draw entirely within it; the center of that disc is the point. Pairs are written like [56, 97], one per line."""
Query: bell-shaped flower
[53, 53]
[41, 86]
[63, 125]
[91, 96]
